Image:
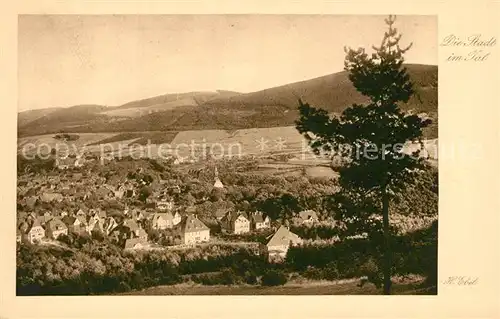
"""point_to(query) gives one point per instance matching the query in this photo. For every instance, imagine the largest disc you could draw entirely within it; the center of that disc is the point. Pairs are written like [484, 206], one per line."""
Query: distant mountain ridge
[225, 109]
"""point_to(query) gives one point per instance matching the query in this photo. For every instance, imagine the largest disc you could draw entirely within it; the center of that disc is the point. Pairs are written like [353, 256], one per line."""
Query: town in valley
[228, 154]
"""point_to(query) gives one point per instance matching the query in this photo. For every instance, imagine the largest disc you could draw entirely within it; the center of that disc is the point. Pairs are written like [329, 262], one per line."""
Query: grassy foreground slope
[312, 288]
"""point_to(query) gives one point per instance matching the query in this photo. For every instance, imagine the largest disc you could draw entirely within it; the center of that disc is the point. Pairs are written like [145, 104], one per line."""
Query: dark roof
[69, 220]
[233, 216]
[257, 217]
[35, 223]
[191, 223]
[56, 224]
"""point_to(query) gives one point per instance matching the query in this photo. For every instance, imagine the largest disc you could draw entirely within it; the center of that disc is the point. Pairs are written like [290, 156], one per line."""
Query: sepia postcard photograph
[221, 154]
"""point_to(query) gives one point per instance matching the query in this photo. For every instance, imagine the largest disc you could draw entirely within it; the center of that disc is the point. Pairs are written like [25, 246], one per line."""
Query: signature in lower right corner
[461, 281]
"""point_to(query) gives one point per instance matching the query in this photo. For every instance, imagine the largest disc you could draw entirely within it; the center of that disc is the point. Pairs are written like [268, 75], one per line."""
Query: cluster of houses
[67, 162]
[71, 188]
[239, 222]
[130, 229]
[130, 232]
[279, 242]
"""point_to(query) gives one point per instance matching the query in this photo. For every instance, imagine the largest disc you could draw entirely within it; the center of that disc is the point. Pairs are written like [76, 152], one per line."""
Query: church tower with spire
[218, 183]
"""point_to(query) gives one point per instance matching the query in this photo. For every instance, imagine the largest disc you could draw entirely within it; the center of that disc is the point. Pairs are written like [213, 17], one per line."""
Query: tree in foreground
[370, 139]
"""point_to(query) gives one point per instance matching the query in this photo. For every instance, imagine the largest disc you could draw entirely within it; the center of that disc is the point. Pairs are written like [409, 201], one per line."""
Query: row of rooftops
[257, 216]
[278, 241]
[189, 222]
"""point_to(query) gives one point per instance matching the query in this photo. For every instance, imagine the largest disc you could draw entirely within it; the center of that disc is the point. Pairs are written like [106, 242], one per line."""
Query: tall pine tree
[370, 140]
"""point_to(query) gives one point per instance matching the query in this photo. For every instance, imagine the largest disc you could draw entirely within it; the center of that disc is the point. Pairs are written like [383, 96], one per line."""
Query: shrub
[124, 287]
[250, 278]
[313, 273]
[331, 272]
[371, 270]
[274, 278]
[65, 239]
[97, 235]
[228, 277]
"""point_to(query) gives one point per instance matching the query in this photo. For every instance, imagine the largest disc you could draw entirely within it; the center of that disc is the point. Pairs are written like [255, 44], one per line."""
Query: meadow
[308, 288]
[280, 150]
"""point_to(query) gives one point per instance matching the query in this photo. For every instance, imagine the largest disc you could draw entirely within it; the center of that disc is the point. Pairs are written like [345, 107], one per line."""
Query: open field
[259, 142]
[32, 143]
[284, 139]
[320, 288]
[160, 107]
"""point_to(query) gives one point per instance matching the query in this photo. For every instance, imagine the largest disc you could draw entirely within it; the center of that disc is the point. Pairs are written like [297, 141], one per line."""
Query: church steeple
[218, 183]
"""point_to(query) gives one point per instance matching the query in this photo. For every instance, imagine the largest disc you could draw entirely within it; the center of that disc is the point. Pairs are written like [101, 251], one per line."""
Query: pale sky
[111, 60]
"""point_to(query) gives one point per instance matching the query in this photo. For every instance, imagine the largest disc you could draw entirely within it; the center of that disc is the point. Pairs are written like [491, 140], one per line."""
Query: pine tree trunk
[387, 246]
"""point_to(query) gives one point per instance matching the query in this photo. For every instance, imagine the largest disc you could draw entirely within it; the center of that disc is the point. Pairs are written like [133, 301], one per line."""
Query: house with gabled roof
[192, 230]
[75, 224]
[97, 215]
[236, 222]
[109, 224]
[128, 229]
[82, 219]
[94, 224]
[307, 217]
[280, 242]
[35, 232]
[55, 228]
[259, 221]
[162, 221]
[80, 212]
